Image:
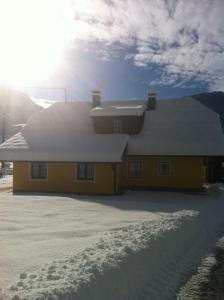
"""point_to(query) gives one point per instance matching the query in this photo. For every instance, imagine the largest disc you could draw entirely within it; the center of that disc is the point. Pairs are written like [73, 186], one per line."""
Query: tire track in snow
[196, 239]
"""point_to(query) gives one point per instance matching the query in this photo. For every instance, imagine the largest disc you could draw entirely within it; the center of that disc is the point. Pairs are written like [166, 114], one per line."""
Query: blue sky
[121, 47]
[116, 77]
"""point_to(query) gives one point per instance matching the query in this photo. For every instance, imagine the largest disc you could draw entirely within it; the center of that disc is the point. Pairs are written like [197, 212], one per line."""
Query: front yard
[114, 247]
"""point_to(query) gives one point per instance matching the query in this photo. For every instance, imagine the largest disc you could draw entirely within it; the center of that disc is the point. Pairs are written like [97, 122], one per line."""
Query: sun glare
[33, 35]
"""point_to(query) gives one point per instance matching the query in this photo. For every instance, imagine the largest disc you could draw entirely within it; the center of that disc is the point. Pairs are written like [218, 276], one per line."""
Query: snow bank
[124, 264]
[207, 282]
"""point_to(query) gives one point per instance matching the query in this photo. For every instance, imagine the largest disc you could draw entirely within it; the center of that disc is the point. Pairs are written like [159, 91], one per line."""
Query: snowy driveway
[38, 229]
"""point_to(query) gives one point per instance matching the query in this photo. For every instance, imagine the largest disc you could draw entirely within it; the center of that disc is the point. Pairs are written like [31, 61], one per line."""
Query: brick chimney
[96, 98]
[151, 104]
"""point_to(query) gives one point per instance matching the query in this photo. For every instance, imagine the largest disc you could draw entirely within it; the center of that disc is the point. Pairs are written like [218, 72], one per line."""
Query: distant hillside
[18, 108]
[213, 100]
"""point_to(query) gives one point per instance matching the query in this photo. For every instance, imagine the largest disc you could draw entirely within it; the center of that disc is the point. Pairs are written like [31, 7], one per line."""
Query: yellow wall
[62, 178]
[186, 172]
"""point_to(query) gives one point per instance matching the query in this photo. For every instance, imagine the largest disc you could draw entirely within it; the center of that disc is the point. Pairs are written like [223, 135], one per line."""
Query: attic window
[38, 170]
[85, 171]
[117, 126]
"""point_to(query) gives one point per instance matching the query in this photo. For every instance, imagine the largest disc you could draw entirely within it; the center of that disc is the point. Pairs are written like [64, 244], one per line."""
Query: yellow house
[105, 148]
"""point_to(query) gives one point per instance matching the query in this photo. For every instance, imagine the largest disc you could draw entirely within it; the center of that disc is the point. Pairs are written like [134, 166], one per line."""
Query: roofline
[109, 162]
[118, 115]
[179, 155]
[61, 161]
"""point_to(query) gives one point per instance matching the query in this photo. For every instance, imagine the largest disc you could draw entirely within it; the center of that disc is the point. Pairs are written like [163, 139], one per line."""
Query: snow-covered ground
[6, 183]
[141, 245]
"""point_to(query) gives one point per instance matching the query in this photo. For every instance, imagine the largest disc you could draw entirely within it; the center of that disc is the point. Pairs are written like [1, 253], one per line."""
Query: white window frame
[37, 178]
[135, 177]
[159, 168]
[117, 125]
[85, 179]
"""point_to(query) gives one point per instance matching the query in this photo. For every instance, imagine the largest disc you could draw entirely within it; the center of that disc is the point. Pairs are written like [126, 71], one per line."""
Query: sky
[122, 47]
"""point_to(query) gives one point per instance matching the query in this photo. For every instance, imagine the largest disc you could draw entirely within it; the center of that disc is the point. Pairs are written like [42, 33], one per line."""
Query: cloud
[186, 38]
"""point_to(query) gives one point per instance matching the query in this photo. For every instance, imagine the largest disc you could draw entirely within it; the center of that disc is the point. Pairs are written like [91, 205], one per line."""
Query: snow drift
[126, 264]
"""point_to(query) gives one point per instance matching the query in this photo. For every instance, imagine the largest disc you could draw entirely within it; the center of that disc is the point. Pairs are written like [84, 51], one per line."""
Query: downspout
[114, 168]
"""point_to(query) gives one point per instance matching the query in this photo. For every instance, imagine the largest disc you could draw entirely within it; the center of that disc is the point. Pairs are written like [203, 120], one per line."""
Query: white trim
[85, 180]
[37, 179]
[158, 167]
[119, 110]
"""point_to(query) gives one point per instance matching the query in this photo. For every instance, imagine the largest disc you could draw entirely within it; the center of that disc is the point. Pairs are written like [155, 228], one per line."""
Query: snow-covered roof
[179, 127]
[119, 108]
[88, 148]
[63, 132]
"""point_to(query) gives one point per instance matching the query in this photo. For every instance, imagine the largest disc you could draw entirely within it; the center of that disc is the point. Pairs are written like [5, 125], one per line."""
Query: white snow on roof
[179, 127]
[45, 103]
[63, 132]
[61, 118]
[87, 148]
[119, 108]
[16, 142]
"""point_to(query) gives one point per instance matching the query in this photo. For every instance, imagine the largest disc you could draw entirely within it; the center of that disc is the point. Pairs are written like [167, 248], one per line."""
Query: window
[134, 169]
[117, 126]
[38, 170]
[85, 171]
[164, 168]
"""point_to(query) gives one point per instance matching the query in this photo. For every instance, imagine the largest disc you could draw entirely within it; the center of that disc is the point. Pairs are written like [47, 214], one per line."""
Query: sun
[33, 35]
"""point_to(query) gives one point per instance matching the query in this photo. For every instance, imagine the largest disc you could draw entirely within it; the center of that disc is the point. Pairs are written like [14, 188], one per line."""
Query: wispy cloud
[186, 38]
[183, 38]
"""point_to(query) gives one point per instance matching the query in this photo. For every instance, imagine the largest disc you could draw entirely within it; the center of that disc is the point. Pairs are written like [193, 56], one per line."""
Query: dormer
[118, 116]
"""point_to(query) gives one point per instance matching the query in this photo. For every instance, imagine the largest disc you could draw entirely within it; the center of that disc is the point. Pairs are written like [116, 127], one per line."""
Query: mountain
[15, 109]
[213, 100]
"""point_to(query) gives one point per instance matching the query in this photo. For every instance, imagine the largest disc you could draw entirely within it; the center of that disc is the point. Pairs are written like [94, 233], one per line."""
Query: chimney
[151, 104]
[96, 98]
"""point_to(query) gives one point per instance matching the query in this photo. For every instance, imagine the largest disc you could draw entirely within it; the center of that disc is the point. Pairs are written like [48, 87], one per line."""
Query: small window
[164, 168]
[117, 126]
[134, 169]
[38, 170]
[85, 171]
